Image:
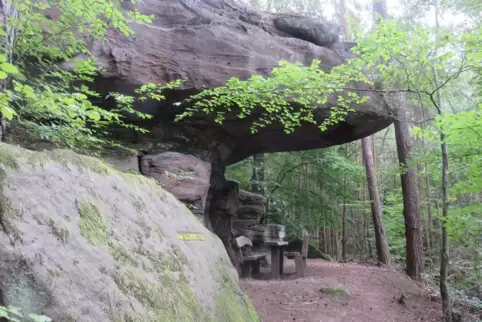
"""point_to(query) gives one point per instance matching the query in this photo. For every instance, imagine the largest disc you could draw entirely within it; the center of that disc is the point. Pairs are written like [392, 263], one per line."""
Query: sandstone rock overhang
[206, 42]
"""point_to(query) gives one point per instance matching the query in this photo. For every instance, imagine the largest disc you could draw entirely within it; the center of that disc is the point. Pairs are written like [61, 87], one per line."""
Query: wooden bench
[250, 263]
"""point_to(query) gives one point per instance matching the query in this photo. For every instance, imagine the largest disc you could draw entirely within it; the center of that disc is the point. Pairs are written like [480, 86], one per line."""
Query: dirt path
[373, 295]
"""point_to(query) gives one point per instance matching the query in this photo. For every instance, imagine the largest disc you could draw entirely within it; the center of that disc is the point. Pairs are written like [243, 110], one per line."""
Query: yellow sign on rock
[190, 236]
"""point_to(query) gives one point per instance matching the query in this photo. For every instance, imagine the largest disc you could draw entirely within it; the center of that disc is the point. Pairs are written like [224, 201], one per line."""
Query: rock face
[251, 208]
[206, 42]
[83, 242]
[185, 176]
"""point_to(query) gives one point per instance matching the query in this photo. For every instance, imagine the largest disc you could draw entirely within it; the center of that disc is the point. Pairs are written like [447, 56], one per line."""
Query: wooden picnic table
[277, 256]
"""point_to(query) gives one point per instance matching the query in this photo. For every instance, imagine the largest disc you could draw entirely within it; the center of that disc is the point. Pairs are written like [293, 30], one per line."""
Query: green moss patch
[169, 299]
[92, 223]
[8, 160]
[231, 306]
[10, 154]
[62, 234]
[335, 291]
[159, 232]
[122, 255]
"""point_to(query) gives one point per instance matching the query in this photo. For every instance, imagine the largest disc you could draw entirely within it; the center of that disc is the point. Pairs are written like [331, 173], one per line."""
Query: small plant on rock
[12, 313]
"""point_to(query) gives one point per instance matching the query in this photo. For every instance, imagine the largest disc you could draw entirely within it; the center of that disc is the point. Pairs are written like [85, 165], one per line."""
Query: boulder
[83, 242]
[206, 42]
[185, 176]
[251, 208]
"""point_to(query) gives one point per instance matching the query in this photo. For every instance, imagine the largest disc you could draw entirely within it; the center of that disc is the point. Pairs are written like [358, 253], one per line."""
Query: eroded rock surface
[206, 42]
[186, 177]
[251, 208]
[82, 242]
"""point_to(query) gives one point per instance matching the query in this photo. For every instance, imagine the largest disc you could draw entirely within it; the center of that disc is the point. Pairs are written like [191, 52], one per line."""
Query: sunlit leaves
[289, 97]
[56, 104]
[13, 314]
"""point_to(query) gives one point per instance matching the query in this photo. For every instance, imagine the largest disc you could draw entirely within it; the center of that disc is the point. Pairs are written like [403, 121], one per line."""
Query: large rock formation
[83, 242]
[204, 43]
[252, 207]
[184, 176]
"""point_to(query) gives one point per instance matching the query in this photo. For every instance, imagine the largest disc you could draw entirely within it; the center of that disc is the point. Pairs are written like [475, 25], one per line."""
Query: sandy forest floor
[372, 294]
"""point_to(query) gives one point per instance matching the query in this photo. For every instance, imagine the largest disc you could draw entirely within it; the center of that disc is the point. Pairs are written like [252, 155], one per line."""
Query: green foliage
[289, 97]
[394, 224]
[306, 189]
[13, 314]
[55, 104]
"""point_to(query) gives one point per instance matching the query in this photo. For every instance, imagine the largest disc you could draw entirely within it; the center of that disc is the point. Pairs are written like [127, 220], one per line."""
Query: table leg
[275, 262]
[281, 260]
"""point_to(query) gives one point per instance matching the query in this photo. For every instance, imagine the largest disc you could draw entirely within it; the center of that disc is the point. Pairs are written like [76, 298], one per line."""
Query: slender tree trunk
[427, 196]
[366, 225]
[343, 228]
[383, 253]
[444, 252]
[381, 241]
[257, 178]
[411, 200]
[7, 11]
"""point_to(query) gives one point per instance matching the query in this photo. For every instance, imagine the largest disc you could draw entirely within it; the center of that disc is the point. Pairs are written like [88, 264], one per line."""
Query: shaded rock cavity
[317, 32]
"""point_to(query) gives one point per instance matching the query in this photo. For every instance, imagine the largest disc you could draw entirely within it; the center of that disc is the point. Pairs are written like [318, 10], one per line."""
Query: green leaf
[94, 115]
[8, 112]
[3, 75]
[39, 318]
[9, 68]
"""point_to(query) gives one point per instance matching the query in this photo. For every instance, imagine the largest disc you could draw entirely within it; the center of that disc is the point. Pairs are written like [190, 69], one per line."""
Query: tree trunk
[381, 241]
[411, 199]
[257, 178]
[444, 252]
[383, 253]
[427, 196]
[343, 232]
[7, 12]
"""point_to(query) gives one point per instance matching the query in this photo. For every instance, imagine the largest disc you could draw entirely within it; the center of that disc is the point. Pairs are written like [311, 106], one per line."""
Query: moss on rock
[159, 232]
[62, 234]
[122, 255]
[168, 299]
[158, 278]
[92, 223]
[231, 305]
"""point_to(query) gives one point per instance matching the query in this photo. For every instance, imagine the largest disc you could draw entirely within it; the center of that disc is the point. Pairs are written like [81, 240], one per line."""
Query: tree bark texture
[258, 177]
[444, 252]
[7, 12]
[411, 199]
[381, 241]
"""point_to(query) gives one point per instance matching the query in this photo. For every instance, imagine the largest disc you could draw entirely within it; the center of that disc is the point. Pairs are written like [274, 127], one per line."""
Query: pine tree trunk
[381, 241]
[411, 199]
